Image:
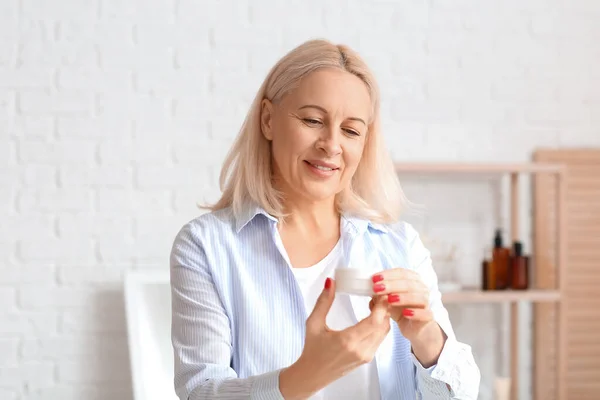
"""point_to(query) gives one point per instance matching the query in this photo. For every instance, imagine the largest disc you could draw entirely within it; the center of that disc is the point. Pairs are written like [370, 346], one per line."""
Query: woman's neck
[309, 232]
[312, 218]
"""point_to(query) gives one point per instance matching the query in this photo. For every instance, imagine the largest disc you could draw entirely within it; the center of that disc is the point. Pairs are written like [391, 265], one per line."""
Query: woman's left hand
[408, 303]
[408, 299]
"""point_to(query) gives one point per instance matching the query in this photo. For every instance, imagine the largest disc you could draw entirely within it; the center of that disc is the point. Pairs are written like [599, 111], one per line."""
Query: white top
[361, 383]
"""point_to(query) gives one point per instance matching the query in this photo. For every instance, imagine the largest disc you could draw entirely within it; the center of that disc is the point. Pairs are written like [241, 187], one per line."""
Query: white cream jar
[354, 281]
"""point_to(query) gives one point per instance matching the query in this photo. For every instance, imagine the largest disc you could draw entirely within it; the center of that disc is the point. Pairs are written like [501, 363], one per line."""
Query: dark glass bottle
[501, 257]
[519, 268]
[488, 271]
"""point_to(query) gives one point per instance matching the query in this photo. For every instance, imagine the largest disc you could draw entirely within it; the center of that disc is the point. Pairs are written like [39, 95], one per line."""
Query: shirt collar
[355, 225]
[248, 213]
[361, 225]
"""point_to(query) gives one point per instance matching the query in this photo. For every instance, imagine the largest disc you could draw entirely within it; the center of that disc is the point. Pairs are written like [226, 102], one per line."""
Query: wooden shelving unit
[478, 169]
[514, 170]
[500, 296]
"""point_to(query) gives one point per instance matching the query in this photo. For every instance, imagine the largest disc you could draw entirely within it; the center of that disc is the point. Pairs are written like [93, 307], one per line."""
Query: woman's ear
[266, 114]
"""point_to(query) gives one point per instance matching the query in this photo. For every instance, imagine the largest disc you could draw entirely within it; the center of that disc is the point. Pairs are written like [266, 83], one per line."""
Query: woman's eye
[352, 132]
[311, 121]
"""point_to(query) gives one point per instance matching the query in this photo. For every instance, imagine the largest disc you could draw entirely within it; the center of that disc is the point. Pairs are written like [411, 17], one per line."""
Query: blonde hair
[374, 192]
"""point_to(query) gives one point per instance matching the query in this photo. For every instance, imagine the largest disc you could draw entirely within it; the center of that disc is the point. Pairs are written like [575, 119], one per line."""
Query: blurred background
[115, 117]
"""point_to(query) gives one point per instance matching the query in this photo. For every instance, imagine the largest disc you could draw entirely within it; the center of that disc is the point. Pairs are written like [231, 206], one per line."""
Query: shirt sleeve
[456, 375]
[201, 334]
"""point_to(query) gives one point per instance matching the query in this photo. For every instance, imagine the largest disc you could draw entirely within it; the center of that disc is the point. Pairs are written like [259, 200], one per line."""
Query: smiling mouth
[320, 167]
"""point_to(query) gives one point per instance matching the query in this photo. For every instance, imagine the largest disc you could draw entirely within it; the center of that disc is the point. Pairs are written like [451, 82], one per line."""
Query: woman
[308, 188]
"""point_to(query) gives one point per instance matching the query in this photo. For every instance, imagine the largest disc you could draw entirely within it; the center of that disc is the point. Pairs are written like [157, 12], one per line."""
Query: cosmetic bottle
[488, 271]
[519, 268]
[501, 258]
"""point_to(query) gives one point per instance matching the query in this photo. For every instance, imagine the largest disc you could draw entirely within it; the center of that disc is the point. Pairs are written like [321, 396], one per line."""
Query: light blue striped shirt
[239, 316]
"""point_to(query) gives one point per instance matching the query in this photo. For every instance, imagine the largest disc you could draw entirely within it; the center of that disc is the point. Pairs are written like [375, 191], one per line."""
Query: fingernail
[393, 298]
[377, 278]
[379, 287]
[408, 313]
[327, 283]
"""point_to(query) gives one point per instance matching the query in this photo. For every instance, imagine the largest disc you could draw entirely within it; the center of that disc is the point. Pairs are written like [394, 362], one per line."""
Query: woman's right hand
[328, 355]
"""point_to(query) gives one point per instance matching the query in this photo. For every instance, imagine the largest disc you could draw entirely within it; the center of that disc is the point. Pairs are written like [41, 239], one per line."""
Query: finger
[371, 343]
[415, 299]
[317, 319]
[399, 286]
[380, 311]
[395, 273]
[376, 299]
[379, 316]
[365, 343]
[418, 314]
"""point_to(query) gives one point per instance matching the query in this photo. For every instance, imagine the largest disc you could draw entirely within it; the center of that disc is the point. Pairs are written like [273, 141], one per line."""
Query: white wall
[116, 114]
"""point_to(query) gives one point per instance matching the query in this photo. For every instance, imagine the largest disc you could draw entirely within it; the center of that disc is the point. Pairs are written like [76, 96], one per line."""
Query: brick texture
[115, 116]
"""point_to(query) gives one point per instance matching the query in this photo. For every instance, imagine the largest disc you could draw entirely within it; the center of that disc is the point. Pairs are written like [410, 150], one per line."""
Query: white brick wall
[115, 116]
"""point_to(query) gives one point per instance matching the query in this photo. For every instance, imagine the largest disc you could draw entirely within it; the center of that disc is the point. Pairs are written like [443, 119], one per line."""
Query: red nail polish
[393, 298]
[379, 287]
[408, 313]
[377, 278]
[327, 283]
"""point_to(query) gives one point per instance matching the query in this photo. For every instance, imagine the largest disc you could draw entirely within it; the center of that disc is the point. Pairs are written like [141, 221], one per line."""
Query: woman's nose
[330, 142]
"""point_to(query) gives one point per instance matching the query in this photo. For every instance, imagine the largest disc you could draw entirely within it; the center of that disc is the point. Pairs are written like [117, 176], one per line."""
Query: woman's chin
[318, 194]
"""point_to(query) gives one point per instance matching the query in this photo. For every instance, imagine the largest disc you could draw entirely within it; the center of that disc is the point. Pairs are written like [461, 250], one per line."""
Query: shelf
[555, 346]
[500, 296]
[476, 168]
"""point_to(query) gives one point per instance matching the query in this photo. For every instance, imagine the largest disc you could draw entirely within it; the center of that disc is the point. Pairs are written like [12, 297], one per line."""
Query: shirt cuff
[444, 371]
[420, 368]
[448, 367]
[266, 387]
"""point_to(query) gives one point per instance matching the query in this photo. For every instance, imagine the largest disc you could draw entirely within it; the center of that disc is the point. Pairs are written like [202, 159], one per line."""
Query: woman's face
[317, 134]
